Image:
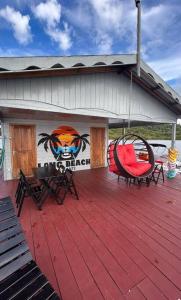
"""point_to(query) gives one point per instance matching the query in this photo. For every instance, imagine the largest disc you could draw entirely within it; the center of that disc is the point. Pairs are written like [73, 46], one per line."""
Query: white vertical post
[174, 127]
[138, 5]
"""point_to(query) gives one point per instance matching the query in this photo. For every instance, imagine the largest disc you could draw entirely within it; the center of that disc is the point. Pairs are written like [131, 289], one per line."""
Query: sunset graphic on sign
[65, 142]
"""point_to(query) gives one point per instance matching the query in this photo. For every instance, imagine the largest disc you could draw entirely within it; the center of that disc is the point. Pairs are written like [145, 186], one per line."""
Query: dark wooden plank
[17, 276]
[54, 297]
[7, 215]
[6, 207]
[19, 283]
[15, 265]
[5, 200]
[45, 293]
[8, 244]
[32, 288]
[8, 223]
[10, 232]
[12, 254]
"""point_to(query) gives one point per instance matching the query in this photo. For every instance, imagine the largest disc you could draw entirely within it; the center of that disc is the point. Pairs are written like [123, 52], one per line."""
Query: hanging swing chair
[131, 157]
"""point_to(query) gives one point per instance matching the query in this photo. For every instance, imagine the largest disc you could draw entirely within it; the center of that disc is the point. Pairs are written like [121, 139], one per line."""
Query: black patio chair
[27, 189]
[64, 183]
[160, 152]
[70, 183]
[20, 277]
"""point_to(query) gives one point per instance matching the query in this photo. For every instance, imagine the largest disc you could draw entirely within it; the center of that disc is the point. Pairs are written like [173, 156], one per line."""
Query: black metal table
[46, 175]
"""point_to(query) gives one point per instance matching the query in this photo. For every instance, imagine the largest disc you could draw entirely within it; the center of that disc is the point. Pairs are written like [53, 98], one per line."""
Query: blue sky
[72, 27]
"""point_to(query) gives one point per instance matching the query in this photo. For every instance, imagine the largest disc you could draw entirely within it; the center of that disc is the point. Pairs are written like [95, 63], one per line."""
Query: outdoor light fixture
[138, 5]
[137, 2]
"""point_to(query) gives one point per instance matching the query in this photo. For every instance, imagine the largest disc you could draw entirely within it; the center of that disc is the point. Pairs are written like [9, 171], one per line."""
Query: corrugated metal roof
[66, 62]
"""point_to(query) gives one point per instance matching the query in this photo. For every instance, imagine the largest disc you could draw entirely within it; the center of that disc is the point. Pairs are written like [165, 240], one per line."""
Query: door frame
[104, 164]
[11, 142]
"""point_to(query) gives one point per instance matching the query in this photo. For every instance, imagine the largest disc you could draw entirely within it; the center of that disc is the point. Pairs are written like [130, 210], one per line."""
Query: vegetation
[151, 132]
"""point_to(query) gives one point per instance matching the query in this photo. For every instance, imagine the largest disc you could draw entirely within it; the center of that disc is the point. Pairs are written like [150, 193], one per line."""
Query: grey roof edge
[167, 88]
[47, 62]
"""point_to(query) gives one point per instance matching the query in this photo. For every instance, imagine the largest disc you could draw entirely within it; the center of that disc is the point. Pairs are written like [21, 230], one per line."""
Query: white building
[71, 97]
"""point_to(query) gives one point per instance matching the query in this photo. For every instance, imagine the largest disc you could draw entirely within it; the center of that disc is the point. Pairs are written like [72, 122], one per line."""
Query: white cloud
[49, 12]
[19, 23]
[109, 12]
[20, 51]
[104, 43]
[116, 20]
[168, 67]
[177, 85]
[105, 21]
[62, 37]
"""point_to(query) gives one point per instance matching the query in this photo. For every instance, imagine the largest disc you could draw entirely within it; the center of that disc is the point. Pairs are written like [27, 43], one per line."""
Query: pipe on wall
[138, 5]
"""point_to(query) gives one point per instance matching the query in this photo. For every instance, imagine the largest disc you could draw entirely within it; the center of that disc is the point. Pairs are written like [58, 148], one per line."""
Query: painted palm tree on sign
[80, 141]
[50, 140]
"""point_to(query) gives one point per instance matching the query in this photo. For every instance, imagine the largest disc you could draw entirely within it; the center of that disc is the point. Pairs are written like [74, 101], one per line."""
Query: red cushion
[126, 154]
[112, 165]
[113, 168]
[138, 168]
[159, 162]
[127, 157]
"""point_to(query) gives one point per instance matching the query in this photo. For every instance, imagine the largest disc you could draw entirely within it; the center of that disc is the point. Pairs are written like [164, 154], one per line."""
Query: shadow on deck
[116, 242]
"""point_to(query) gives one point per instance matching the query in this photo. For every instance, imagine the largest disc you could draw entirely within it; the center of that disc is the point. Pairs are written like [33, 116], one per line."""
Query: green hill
[151, 132]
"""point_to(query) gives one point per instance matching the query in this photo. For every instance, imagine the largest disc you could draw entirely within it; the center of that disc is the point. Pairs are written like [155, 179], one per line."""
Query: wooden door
[23, 146]
[97, 140]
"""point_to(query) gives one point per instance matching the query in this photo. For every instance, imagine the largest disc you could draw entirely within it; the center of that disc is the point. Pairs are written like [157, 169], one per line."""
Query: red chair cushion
[127, 158]
[138, 168]
[126, 154]
[159, 162]
[112, 165]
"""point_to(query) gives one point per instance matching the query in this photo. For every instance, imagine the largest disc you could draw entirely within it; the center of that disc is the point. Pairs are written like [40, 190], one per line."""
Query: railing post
[174, 127]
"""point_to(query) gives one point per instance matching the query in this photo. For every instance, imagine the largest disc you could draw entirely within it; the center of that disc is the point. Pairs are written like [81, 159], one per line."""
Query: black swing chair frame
[144, 147]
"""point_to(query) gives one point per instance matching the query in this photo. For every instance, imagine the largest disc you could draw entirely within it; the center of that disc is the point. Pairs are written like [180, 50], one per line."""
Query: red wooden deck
[116, 242]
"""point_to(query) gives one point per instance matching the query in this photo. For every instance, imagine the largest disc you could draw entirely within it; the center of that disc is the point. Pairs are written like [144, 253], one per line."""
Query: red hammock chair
[130, 156]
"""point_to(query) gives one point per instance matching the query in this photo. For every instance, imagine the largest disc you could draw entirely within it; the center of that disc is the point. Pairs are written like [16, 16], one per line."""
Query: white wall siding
[106, 94]
[47, 127]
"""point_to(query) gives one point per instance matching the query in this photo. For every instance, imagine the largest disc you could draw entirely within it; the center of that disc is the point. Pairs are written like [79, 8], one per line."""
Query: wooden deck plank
[146, 232]
[116, 242]
[120, 276]
[154, 272]
[66, 280]
[103, 280]
[132, 250]
[84, 278]
[41, 249]
[150, 291]
[25, 219]
[135, 294]
[128, 200]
